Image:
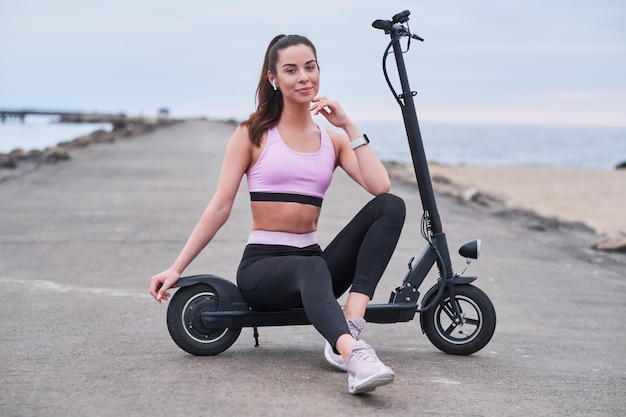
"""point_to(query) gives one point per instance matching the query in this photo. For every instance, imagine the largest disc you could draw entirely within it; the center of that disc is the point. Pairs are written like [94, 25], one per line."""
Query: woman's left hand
[331, 110]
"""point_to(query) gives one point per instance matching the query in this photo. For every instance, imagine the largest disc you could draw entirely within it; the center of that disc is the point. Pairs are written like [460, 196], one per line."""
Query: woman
[289, 161]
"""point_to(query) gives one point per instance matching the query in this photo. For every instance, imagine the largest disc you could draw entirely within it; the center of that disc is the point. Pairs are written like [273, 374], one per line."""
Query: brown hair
[270, 101]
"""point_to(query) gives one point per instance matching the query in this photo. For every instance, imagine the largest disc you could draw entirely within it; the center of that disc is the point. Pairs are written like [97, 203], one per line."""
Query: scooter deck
[375, 313]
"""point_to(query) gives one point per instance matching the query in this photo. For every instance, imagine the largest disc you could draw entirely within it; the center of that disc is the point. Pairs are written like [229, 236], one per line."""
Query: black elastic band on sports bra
[286, 197]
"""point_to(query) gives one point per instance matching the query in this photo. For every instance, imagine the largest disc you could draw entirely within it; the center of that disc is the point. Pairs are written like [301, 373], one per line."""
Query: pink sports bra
[282, 174]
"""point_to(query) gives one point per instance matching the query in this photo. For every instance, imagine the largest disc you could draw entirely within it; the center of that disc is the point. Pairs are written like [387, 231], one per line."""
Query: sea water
[40, 132]
[445, 143]
[503, 145]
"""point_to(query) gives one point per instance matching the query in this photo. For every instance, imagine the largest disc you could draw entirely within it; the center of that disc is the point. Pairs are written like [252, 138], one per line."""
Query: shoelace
[366, 354]
[355, 330]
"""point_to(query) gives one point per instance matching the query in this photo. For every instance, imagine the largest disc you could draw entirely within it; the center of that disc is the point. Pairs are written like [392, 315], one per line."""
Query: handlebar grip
[401, 17]
[382, 24]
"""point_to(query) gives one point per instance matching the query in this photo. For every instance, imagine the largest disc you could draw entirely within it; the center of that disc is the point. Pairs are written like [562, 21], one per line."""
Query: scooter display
[207, 313]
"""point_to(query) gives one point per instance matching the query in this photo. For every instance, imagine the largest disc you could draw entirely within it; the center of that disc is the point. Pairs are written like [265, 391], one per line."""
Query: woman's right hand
[237, 159]
[160, 283]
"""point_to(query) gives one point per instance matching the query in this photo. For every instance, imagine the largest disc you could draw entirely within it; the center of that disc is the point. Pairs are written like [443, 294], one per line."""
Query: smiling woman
[289, 161]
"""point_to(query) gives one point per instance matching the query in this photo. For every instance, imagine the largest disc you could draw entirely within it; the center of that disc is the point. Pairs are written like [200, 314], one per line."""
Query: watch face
[367, 140]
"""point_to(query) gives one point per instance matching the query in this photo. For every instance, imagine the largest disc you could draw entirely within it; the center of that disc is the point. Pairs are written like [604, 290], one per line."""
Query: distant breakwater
[123, 127]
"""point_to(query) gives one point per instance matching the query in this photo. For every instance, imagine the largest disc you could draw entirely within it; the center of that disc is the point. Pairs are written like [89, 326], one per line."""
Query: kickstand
[256, 336]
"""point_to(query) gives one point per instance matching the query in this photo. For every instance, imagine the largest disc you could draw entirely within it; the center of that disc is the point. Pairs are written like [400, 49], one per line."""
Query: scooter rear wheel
[467, 337]
[185, 325]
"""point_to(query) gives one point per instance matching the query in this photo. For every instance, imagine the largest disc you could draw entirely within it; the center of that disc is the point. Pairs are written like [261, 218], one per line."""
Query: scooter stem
[416, 144]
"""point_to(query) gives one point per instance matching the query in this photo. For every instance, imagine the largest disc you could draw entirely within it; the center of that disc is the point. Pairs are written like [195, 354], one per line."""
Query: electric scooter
[207, 313]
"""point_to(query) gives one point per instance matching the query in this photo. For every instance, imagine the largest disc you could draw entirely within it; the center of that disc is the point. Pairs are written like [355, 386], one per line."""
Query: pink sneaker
[365, 370]
[356, 327]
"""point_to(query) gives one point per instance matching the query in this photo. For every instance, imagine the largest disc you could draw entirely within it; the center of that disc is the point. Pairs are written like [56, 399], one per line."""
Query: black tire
[185, 324]
[472, 334]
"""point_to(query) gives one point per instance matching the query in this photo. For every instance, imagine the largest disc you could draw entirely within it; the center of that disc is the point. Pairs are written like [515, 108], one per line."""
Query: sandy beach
[594, 198]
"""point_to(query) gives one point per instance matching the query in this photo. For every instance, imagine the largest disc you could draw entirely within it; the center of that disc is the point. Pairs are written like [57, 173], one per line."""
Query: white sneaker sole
[327, 354]
[383, 377]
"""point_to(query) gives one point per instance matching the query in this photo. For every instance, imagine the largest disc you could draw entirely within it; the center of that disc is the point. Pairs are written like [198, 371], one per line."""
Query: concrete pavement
[80, 336]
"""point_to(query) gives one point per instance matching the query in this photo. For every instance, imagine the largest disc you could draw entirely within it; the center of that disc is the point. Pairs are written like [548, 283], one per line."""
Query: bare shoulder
[336, 137]
[242, 136]
[339, 139]
[241, 133]
[240, 140]
[239, 147]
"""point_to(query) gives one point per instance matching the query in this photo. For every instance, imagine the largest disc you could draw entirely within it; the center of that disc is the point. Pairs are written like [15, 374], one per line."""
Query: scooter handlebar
[386, 25]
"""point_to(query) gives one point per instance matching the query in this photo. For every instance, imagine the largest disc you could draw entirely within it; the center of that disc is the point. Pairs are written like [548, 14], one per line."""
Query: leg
[290, 281]
[355, 305]
[359, 254]
[344, 346]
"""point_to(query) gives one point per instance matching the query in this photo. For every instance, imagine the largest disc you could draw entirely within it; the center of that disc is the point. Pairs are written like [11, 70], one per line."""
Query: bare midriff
[278, 216]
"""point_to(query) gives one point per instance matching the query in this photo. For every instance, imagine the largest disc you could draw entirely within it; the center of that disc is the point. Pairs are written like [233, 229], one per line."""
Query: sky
[537, 62]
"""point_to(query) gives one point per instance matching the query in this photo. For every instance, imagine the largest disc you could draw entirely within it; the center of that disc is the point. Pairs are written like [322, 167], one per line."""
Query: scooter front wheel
[184, 321]
[475, 329]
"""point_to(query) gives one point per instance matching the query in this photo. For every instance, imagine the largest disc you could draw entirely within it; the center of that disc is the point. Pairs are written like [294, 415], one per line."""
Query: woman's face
[297, 75]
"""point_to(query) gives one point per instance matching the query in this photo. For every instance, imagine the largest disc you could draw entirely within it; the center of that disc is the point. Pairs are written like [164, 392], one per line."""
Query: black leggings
[276, 277]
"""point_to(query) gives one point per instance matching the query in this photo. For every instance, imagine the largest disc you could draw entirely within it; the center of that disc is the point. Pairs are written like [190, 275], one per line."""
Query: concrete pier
[80, 336]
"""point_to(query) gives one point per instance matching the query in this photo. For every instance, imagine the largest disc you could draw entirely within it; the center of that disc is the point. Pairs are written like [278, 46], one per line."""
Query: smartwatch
[360, 141]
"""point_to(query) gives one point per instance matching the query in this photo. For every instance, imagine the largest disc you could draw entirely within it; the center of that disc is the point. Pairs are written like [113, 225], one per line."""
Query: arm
[361, 164]
[236, 161]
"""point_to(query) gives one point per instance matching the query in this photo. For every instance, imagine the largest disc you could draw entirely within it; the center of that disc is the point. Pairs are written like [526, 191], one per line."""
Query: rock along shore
[18, 161]
[548, 198]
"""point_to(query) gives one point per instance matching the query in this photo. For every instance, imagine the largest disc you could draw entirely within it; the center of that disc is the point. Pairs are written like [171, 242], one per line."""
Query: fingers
[158, 288]
[320, 104]
[163, 294]
[324, 110]
[331, 110]
[154, 288]
[162, 282]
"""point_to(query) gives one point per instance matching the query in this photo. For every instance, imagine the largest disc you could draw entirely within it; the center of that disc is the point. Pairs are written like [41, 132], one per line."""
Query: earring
[274, 85]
